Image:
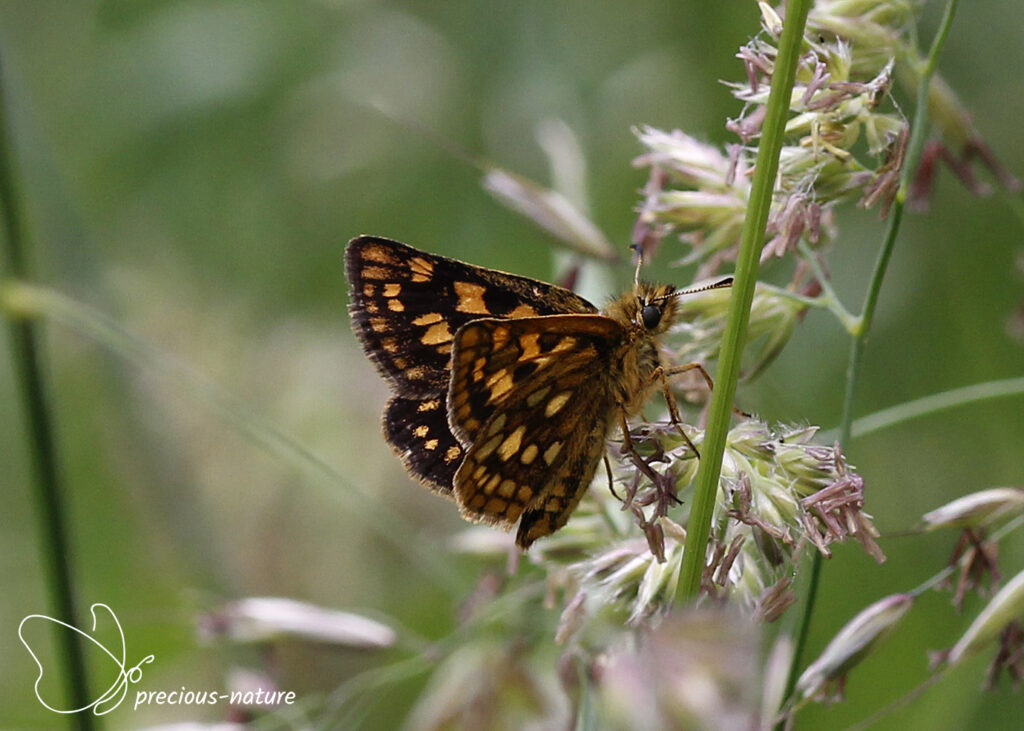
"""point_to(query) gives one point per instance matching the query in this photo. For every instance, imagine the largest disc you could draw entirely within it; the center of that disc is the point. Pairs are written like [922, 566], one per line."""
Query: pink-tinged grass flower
[781, 493]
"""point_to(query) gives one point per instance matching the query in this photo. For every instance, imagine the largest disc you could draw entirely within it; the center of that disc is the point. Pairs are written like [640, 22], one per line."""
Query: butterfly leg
[611, 480]
[662, 375]
[665, 373]
[663, 483]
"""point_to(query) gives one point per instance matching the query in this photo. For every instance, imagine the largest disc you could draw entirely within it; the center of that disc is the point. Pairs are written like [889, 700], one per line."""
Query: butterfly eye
[651, 315]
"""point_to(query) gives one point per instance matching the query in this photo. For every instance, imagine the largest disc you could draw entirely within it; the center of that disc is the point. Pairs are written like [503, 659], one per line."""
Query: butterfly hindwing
[536, 474]
[418, 432]
[501, 362]
[525, 395]
[553, 506]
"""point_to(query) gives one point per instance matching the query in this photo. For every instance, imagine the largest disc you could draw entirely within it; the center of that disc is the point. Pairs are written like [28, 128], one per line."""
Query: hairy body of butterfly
[505, 388]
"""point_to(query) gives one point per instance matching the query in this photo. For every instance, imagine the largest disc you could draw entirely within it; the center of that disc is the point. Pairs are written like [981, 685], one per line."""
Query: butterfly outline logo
[116, 693]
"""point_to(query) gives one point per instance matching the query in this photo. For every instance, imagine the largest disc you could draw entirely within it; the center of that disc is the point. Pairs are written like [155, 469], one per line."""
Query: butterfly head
[651, 309]
[656, 306]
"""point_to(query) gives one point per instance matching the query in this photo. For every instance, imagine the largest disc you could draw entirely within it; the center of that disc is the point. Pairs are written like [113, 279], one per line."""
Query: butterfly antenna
[720, 284]
[639, 263]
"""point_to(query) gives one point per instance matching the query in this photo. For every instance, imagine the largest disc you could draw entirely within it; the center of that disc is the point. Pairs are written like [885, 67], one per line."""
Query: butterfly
[505, 387]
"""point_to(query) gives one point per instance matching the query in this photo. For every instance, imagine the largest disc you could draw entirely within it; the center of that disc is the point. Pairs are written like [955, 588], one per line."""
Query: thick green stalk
[734, 336]
[30, 386]
[918, 130]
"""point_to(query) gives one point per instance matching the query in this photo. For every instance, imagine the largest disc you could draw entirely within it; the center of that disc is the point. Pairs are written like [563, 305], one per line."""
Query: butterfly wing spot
[453, 453]
[556, 403]
[422, 269]
[529, 454]
[529, 346]
[396, 305]
[523, 311]
[416, 373]
[484, 451]
[431, 444]
[392, 289]
[500, 385]
[507, 488]
[428, 319]
[496, 506]
[499, 338]
[497, 424]
[537, 396]
[429, 405]
[471, 298]
[421, 431]
[375, 272]
[488, 487]
[379, 253]
[436, 334]
[508, 448]
[551, 453]
[470, 337]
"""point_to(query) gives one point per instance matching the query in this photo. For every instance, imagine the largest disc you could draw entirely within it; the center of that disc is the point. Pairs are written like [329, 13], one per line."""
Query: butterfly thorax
[644, 314]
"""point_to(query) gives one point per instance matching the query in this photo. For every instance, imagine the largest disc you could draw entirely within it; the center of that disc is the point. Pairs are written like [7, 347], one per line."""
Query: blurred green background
[193, 169]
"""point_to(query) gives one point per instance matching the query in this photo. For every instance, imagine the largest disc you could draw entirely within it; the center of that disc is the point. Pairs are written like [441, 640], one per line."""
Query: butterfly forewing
[407, 305]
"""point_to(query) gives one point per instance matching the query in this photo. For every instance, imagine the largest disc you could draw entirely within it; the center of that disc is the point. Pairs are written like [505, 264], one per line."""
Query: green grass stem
[734, 336]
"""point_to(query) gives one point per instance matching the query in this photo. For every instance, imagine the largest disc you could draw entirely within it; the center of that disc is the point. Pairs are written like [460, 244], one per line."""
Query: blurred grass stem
[734, 336]
[32, 301]
[1005, 388]
[30, 385]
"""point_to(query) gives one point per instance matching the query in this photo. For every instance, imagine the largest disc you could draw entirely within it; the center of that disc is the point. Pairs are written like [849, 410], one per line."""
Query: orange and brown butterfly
[505, 388]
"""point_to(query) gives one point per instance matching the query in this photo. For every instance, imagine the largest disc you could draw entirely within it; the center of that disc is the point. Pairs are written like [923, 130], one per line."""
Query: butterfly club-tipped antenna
[639, 251]
[720, 284]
